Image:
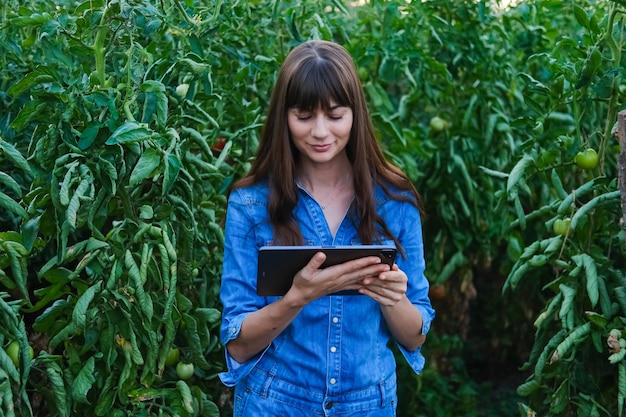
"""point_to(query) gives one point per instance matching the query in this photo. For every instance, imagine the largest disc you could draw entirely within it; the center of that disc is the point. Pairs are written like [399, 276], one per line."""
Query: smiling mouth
[321, 147]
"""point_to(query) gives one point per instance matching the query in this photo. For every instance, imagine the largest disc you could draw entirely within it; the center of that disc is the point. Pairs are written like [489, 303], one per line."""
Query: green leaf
[598, 319]
[193, 338]
[129, 132]
[49, 294]
[144, 300]
[146, 212]
[48, 318]
[88, 135]
[155, 102]
[145, 167]
[589, 265]
[208, 315]
[581, 16]
[566, 205]
[172, 168]
[79, 195]
[57, 388]
[68, 180]
[84, 381]
[40, 75]
[11, 205]
[568, 300]
[582, 213]
[30, 231]
[17, 258]
[575, 337]
[528, 388]
[79, 315]
[209, 408]
[517, 172]
[9, 182]
[106, 400]
[185, 393]
[30, 110]
[14, 155]
[535, 85]
[560, 399]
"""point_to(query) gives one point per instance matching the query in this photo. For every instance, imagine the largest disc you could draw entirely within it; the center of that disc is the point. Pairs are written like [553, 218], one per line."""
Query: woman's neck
[325, 178]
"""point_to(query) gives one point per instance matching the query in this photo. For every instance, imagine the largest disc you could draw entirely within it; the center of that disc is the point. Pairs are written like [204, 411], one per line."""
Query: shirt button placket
[334, 363]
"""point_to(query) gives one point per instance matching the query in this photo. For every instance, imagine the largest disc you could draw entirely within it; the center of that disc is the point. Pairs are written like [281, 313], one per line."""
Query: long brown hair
[313, 74]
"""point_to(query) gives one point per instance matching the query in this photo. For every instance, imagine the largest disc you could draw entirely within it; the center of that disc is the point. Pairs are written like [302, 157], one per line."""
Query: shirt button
[233, 331]
[333, 381]
[335, 320]
[333, 349]
[329, 405]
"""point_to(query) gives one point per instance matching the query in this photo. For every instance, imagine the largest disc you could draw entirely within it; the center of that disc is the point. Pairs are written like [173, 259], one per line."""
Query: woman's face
[320, 135]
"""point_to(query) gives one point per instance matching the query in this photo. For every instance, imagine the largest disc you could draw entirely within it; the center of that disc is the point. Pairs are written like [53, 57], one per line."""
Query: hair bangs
[317, 83]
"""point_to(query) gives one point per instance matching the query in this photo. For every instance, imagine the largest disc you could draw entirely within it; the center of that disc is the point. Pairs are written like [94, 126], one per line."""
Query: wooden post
[621, 163]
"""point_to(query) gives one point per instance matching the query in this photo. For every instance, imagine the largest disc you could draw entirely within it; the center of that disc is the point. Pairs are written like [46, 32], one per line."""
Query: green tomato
[13, 351]
[561, 226]
[172, 356]
[184, 370]
[182, 89]
[438, 124]
[587, 159]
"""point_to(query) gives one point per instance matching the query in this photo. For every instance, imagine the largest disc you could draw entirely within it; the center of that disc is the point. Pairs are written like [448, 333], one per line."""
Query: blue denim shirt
[336, 344]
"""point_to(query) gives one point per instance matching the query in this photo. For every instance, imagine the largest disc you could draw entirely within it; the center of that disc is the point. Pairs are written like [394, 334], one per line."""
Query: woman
[320, 178]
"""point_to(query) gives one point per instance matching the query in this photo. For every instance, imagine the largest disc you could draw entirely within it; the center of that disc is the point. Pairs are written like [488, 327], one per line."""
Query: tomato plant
[579, 268]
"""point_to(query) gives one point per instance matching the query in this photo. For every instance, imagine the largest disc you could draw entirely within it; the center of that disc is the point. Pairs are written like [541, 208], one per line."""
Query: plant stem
[98, 47]
[611, 116]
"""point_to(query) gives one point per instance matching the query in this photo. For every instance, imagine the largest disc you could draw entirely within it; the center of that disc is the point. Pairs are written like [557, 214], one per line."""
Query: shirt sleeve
[238, 287]
[414, 266]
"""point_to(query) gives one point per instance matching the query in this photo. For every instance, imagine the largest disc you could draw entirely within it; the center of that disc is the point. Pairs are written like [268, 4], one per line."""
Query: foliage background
[122, 124]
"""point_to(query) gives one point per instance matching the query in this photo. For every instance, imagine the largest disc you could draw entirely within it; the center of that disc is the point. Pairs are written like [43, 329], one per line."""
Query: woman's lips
[321, 148]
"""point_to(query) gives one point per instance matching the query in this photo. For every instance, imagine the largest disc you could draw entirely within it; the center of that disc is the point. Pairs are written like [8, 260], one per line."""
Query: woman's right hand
[313, 282]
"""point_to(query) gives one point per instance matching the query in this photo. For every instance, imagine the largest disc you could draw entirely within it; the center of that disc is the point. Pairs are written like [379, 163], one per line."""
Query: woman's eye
[335, 117]
[303, 117]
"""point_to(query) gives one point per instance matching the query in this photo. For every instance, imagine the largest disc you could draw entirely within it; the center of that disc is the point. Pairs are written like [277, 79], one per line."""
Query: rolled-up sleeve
[238, 286]
[414, 265]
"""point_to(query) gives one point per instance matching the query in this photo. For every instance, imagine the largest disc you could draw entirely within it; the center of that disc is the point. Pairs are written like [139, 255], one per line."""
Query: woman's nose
[320, 129]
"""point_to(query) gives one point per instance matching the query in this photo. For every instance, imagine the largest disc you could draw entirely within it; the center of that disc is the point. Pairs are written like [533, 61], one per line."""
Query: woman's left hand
[388, 288]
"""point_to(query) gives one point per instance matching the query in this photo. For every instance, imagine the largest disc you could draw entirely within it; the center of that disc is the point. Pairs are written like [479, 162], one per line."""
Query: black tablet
[279, 264]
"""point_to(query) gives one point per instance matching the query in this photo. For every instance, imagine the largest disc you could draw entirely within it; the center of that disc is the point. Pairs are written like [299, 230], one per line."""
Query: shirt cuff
[236, 370]
[427, 319]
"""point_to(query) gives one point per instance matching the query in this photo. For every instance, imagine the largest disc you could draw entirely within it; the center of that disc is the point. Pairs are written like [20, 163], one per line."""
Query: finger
[358, 268]
[316, 262]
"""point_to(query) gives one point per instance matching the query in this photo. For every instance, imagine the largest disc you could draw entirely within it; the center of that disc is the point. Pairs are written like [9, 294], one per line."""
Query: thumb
[316, 261]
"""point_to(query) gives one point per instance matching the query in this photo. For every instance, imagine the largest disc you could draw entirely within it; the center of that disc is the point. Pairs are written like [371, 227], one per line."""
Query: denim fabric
[336, 350]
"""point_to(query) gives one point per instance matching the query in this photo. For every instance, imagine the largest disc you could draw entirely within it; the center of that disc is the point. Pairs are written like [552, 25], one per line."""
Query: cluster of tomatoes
[184, 370]
[586, 160]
